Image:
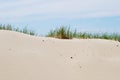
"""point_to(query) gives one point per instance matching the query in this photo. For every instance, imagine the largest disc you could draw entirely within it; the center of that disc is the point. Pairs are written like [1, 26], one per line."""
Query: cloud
[46, 9]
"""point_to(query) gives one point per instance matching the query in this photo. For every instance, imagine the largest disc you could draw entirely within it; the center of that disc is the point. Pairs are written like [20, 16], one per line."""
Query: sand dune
[24, 57]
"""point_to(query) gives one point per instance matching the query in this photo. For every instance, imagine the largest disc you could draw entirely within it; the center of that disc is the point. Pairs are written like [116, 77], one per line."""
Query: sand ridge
[24, 57]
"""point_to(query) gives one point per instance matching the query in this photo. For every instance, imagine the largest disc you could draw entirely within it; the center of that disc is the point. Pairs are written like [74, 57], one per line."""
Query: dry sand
[24, 57]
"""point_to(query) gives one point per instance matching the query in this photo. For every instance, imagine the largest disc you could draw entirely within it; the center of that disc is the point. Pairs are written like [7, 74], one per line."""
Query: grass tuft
[61, 33]
[24, 30]
[65, 33]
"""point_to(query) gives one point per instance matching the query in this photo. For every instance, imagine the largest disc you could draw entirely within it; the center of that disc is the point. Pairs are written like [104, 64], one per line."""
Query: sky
[44, 15]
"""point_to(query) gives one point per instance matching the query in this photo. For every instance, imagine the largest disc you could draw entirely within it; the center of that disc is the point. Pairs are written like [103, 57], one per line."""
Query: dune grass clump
[108, 36]
[113, 36]
[65, 33]
[61, 33]
[5, 27]
[24, 30]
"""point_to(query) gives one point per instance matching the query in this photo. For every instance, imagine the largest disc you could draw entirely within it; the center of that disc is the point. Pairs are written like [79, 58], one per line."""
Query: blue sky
[43, 15]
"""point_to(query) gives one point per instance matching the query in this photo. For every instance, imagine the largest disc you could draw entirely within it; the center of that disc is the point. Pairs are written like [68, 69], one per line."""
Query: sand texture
[24, 57]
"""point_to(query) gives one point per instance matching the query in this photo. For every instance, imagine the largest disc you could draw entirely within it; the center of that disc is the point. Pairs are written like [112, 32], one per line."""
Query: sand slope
[23, 57]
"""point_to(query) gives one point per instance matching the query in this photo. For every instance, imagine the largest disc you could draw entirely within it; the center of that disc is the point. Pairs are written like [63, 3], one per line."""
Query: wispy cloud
[20, 9]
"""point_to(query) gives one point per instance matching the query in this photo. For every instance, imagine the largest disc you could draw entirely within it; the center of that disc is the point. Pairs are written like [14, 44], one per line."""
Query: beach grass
[64, 32]
[61, 33]
[25, 30]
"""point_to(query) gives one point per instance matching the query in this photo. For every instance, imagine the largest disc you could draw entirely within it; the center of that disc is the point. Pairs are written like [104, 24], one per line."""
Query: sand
[24, 57]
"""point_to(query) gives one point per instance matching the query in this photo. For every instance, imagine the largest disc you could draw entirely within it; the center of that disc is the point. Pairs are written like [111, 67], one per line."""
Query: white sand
[23, 57]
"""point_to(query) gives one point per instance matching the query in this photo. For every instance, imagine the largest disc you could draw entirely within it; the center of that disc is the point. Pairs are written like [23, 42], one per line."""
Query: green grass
[64, 32]
[61, 33]
[24, 30]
